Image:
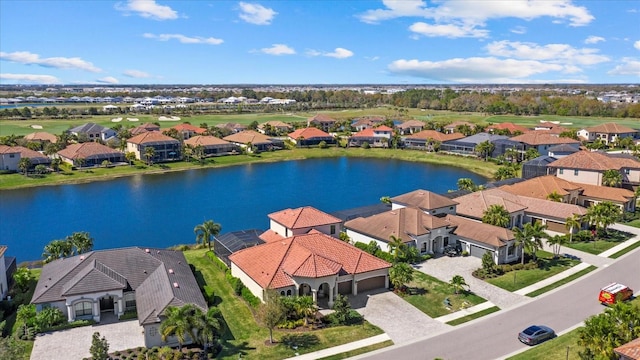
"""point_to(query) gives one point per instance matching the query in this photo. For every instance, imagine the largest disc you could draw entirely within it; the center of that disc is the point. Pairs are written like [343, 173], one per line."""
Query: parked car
[452, 250]
[536, 334]
[614, 293]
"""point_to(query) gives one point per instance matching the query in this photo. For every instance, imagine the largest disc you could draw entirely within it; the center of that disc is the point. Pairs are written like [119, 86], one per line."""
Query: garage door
[556, 226]
[371, 283]
[344, 288]
[477, 251]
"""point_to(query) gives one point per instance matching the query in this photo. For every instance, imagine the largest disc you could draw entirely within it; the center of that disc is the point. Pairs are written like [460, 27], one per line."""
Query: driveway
[444, 268]
[74, 344]
[396, 317]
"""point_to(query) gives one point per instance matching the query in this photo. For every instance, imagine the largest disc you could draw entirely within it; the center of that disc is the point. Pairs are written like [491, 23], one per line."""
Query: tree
[602, 333]
[207, 232]
[531, 154]
[24, 164]
[149, 153]
[22, 278]
[344, 237]
[537, 234]
[41, 169]
[305, 307]
[81, 162]
[611, 178]
[603, 214]
[522, 238]
[508, 171]
[467, 184]
[385, 200]
[556, 243]
[198, 153]
[554, 196]
[55, 164]
[396, 247]
[272, 312]
[106, 163]
[57, 249]
[208, 326]
[400, 274]
[341, 308]
[458, 283]
[99, 347]
[178, 322]
[485, 149]
[81, 242]
[130, 156]
[496, 215]
[571, 223]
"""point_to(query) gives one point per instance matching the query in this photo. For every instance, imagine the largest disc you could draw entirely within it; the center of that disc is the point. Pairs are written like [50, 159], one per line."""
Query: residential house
[41, 137]
[537, 167]
[541, 141]
[146, 127]
[90, 154]
[231, 242]
[322, 122]
[233, 127]
[453, 127]
[629, 351]
[507, 128]
[375, 137]
[257, 141]
[607, 133]
[310, 136]
[410, 127]
[9, 158]
[428, 139]
[212, 145]
[427, 201]
[188, 130]
[7, 268]
[106, 283]
[588, 167]
[165, 147]
[35, 157]
[289, 222]
[274, 128]
[92, 132]
[562, 150]
[467, 145]
[549, 127]
[594, 194]
[367, 122]
[312, 264]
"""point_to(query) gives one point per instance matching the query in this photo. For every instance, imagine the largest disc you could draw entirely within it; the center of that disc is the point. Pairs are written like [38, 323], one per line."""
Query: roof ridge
[282, 260]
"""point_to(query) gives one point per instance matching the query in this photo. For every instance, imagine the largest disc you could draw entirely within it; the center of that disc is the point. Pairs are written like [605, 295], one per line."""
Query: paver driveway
[74, 344]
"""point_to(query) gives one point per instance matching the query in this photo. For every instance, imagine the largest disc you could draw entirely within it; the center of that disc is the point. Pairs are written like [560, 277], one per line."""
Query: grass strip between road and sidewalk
[473, 316]
[362, 350]
[564, 347]
[559, 283]
[625, 250]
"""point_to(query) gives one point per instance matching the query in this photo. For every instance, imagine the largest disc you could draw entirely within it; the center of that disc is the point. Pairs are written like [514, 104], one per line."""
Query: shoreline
[479, 167]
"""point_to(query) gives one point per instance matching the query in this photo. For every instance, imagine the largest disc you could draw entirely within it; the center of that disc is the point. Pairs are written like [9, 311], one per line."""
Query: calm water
[161, 210]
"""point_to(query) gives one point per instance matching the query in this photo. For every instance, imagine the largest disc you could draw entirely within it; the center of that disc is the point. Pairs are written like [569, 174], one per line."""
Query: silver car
[536, 334]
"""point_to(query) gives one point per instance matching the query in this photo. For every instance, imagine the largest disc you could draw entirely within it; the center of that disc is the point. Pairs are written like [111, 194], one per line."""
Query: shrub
[465, 253]
[49, 317]
[238, 286]
[365, 145]
[583, 236]
[323, 145]
[248, 296]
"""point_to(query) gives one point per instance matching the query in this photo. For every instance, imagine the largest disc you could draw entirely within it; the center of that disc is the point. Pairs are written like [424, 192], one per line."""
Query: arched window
[289, 292]
[83, 308]
[282, 293]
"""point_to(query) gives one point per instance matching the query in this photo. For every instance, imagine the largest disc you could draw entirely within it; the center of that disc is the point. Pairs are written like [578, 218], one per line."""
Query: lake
[161, 210]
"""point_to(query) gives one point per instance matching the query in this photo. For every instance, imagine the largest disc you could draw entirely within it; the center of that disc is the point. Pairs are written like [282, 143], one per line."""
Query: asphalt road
[495, 335]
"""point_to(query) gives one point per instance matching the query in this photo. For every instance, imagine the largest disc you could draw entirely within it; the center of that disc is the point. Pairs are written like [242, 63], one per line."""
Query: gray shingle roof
[87, 128]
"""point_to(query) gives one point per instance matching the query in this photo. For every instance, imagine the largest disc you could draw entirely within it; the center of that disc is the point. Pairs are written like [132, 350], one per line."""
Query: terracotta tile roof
[383, 128]
[144, 128]
[423, 199]
[248, 136]
[541, 187]
[475, 204]
[4, 149]
[87, 150]
[321, 118]
[41, 136]
[455, 124]
[34, 156]
[630, 350]
[309, 133]
[205, 141]
[303, 217]
[611, 128]
[272, 264]
[553, 209]
[151, 137]
[594, 160]
[542, 138]
[435, 135]
[270, 236]
[607, 193]
[399, 223]
[366, 133]
[411, 123]
[3, 249]
[189, 127]
[473, 230]
[507, 126]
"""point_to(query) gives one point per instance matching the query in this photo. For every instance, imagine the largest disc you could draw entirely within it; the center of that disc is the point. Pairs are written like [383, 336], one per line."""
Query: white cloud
[147, 9]
[108, 80]
[447, 30]
[519, 30]
[338, 53]
[395, 9]
[27, 58]
[473, 70]
[136, 74]
[637, 44]
[558, 53]
[372, 58]
[184, 39]
[629, 66]
[278, 49]
[593, 39]
[256, 14]
[31, 78]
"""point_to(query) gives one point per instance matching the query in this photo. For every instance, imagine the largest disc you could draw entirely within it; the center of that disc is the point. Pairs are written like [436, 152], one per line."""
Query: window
[423, 248]
[289, 292]
[446, 241]
[626, 171]
[282, 293]
[511, 250]
[333, 229]
[12, 155]
[575, 172]
[83, 308]
[561, 171]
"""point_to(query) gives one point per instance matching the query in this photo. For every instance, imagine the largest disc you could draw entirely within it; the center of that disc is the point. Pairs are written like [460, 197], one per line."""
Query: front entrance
[106, 304]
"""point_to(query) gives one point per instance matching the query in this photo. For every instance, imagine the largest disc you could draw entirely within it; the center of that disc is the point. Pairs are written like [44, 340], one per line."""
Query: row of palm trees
[74, 244]
[190, 324]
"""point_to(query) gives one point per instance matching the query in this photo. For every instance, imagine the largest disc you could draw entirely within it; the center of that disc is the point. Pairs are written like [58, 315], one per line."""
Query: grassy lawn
[524, 278]
[12, 181]
[473, 316]
[625, 250]
[366, 349]
[554, 349]
[245, 336]
[428, 293]
[566, 280]
[634, 223]
[610, 239]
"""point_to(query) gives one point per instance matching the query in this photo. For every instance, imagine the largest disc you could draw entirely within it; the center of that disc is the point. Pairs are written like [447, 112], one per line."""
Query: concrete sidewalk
[343, 348]
[633, 240]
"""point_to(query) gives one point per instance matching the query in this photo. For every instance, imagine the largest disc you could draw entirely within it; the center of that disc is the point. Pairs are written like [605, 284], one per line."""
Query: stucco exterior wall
[9, 161]
[583, 176]
[4, 284]
[247, 281]
[279, 228]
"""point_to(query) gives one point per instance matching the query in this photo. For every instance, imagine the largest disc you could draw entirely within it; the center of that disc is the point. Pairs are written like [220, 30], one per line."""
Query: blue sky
[319, 42]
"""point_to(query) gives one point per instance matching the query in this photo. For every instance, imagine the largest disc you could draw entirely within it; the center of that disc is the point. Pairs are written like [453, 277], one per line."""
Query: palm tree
[208, 326]
[554, 196]
[523, 237]
[496, 215]
[24, 164]
[178, 322]
[611, 178]
[458, 283]
[571, 223]
[537, 233]
[556, 243]
[484, 149]
[400, 274]
[206, 232]
[55, 164]
[603, 214]
[466, 184]
[149, 153]
[396, 247]
[130, 156]
[81, 242]
[305, 307]
[57, 249]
